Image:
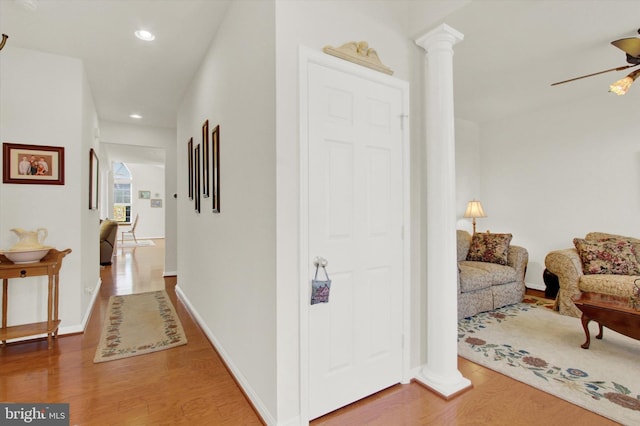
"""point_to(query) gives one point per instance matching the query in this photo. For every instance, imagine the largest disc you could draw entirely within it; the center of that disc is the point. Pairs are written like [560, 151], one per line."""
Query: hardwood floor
[187, 385]
[190, 385]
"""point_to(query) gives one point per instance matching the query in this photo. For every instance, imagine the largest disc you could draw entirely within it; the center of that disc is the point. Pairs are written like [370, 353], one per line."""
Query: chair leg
[134, 237]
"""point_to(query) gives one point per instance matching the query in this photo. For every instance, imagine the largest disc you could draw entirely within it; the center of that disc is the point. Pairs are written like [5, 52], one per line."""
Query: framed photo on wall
[196, 188]
[215, 152]
[190, 166]
[94, 176]
[32, 164]
[144, 195]
[205, 159]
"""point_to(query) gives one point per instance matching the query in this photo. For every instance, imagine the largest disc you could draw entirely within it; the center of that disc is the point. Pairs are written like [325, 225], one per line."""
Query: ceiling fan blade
[630, 46]
[595, 73]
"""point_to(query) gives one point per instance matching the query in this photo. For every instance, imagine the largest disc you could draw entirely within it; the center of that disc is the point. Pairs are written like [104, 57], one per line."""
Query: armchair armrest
[566, 265]
[517, 258]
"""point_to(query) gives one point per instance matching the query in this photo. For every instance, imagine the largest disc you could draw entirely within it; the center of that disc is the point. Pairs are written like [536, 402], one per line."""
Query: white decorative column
[440, 373]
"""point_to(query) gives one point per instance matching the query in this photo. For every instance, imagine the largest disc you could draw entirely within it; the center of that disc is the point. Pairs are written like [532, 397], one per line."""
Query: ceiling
[512, 50]
[126, 75]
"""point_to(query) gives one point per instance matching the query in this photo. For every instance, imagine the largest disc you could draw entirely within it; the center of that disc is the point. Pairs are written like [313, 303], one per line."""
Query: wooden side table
[610, 311]
[49, 265]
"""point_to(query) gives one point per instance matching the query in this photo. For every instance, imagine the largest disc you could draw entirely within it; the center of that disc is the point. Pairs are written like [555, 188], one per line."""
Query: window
[121, 192]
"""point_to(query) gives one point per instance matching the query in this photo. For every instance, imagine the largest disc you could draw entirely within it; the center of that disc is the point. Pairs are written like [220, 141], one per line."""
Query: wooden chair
[132, 231]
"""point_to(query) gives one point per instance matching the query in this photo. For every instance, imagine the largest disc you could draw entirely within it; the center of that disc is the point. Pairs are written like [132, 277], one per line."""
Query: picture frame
[215, 152]
[156, 203]
[94, 179]
[205, 159]
[32, 164]
[190, 166]
[144, 195]
[196, 188]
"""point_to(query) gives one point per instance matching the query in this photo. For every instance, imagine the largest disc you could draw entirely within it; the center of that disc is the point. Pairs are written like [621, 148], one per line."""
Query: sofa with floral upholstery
[490, 272]
[600, 263]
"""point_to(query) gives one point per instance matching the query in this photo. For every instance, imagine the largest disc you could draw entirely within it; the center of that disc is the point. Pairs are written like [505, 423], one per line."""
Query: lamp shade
[474, 209]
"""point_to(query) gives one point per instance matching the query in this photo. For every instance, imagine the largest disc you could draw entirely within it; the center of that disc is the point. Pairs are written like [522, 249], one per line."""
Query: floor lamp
[474, 210]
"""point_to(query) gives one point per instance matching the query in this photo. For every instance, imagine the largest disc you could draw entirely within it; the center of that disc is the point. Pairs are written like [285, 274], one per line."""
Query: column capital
[441, 33]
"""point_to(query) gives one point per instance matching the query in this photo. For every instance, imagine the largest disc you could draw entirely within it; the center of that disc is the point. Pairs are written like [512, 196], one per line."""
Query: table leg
[50, 312]
[585, 325]
[56, 287]
[5, 288]
[599, 336]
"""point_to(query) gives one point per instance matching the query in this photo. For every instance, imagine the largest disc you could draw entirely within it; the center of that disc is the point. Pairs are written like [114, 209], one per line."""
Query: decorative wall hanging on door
[359, 53]
[320, 288]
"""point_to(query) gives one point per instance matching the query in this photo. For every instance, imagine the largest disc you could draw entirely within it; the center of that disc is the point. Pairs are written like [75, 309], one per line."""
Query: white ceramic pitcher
[28, 240]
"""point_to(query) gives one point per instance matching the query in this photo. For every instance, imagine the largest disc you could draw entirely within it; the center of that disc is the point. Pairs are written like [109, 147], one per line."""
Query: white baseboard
[266, 415]
[94, 297]
[170, 274]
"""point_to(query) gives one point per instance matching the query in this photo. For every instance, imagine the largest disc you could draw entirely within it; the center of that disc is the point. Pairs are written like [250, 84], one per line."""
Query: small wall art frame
[190, 166]
[94, 177]
[156, 203]
[144, 195]
[32, 164]
[205, 159]
[215, 153]
[196, 175]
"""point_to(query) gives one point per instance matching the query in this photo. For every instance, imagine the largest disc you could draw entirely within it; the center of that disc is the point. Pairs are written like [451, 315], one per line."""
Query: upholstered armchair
[108, 234]
[613, 264]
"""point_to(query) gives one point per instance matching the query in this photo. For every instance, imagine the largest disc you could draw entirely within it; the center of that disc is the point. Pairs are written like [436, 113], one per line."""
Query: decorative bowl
[26, 256]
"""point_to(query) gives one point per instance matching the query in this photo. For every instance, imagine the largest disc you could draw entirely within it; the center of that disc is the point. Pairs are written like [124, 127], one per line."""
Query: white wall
[315, 24]
[155, 137]
[468, 172]
[145, 177]
[90, 234]
[226, 261]
[45, 100]
[552, 175]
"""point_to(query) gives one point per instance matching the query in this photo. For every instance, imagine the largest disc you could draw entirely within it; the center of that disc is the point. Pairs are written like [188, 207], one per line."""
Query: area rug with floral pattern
[138, 324]
[537, 346]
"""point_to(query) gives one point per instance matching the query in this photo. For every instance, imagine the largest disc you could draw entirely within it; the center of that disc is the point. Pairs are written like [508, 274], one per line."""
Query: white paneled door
[355, 222]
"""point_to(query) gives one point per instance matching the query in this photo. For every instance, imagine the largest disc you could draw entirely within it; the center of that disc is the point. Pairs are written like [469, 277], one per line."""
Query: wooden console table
[49, 265]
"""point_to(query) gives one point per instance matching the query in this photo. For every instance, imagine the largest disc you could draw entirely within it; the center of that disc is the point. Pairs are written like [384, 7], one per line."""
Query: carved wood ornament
[360, 53]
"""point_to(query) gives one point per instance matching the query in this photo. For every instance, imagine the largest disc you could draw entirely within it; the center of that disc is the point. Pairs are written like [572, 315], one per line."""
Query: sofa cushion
[610, 256]
[478, 275]
[487, 247]
[616, 285]
[604, 236]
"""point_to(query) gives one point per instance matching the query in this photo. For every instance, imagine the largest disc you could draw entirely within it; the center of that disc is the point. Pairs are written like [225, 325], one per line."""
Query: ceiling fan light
[621, 86]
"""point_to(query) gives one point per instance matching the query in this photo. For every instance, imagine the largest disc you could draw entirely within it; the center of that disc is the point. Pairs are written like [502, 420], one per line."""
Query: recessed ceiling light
[136, 116]
[145, 35]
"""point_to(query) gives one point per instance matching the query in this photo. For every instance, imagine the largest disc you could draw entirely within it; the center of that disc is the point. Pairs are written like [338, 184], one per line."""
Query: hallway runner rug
[537, 346]
[138, 324]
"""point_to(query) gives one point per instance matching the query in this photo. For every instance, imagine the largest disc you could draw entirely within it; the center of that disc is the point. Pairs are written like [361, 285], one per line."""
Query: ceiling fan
[631, 47]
